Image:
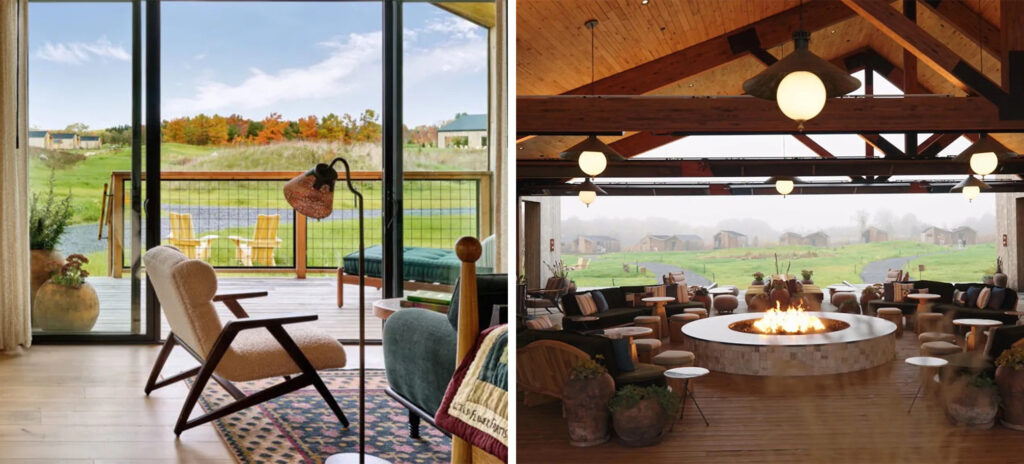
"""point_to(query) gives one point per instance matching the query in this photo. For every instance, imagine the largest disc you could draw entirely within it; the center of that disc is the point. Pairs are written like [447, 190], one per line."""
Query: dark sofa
[945, 305]
[619, 312]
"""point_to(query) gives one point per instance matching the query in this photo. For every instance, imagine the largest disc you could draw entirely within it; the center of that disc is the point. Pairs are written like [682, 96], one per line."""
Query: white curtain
[15, 316]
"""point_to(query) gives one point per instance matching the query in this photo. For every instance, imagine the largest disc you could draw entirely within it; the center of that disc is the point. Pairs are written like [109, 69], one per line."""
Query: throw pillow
[958, 297]
[655, 290]
[983, 297]
[586, 304]
[995, 299]
[623, 355]
[539, 323]
[602, 304]
[971, 300]
[682, 292]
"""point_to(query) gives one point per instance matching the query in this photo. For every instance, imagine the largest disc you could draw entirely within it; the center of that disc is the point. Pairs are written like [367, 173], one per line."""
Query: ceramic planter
[703, 299]
[641, 425]
[999, 279]
[65, 309]
[757, 282]
[585, 402]
[780, 296]
[41, 263]
[1011, 389]
[973, 407]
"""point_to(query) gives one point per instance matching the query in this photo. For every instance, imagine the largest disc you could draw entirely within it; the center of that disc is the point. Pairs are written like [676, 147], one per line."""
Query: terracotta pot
[758, 303]
[1011, 390]
[972, 407]
[757, 282]
[586, 409]
[865, 298]
[65, 309]
[999, 279]
[779, 296]
[641, 425]
[702, 299]
[41, 263]
[807, 282]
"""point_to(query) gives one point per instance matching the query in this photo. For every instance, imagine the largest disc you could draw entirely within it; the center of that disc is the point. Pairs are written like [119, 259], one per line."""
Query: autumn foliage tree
[219, 130]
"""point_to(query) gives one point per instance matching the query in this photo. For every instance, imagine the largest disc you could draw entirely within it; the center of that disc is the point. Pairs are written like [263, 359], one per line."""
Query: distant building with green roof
[466, 131]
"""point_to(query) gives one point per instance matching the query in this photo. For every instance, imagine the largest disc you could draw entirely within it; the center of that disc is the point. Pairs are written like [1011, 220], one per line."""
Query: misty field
[831, 265]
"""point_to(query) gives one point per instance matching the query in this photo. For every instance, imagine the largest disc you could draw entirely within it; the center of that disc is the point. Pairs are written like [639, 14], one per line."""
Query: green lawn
[830, 265]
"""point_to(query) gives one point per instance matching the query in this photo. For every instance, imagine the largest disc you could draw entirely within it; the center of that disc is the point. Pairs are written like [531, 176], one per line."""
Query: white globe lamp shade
[784, 186]
[801, 96]
[971, 192]
[587, 197]
[984, 163]
[593, 163]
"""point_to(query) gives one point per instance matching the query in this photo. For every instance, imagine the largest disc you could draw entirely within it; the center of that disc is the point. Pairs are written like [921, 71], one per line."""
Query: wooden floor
[850, 418]
[287, 294]
[84, 404]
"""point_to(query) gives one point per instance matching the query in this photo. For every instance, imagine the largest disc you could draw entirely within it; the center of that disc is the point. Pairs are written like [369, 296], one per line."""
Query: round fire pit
[850, 342]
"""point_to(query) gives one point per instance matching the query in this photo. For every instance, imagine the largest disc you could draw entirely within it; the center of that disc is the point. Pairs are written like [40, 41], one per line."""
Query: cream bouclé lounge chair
[183, 236]
[259, 250]
[243, 349]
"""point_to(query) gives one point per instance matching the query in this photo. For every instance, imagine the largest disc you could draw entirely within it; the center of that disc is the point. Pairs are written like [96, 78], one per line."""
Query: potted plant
[869, 293]
[807, 273]
[701, 295]
[1010, 378]
[758, 278]
[778, 295]
[48, 218]
[66, 302]
[987, 279]
[972, 400]
[999, 278]
[639, 414]
[560, 270]
[585, 402]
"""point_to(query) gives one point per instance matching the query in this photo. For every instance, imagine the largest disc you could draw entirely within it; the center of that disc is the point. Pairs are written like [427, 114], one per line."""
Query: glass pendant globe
[593, 162]
[984, 163]
[801, 96]
[972, 192]
[587, 197]
[784, 186]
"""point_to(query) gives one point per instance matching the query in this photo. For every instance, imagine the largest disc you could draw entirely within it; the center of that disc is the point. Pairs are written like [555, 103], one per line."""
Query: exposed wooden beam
[769, 32]
[931, 147]
[909, 60]
[718, 188]
[685, 115]
[926, 48]
[814, 146]
[479, 13]
[967, 22]
[1011, 34]
[759, 167]
[638, 143]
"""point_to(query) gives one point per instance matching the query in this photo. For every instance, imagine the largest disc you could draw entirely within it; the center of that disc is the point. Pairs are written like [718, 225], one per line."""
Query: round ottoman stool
[733, 290]
[670, 359]
[894, 315]
[698, 311]
[839, 297]
[726, 304]
[758, 303]
[928, 322]
[939, 349]
[651, 322]
[936, 337]
[646, 349]
[676, 323]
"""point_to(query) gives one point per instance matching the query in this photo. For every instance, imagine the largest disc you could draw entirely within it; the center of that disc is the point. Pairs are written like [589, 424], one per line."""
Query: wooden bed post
[468, 250]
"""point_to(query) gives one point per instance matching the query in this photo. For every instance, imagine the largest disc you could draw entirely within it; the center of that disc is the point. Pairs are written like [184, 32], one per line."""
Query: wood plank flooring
[85, 405]
[850, 418]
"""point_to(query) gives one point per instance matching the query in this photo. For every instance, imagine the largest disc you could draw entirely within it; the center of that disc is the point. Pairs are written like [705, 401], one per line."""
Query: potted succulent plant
[972, 400]
[758, 278]
[806, 274]
[587, 393]
[1010, 378]
[701, 295]
[48, 218]
[66, 302]
[639, 414]
[999, 278]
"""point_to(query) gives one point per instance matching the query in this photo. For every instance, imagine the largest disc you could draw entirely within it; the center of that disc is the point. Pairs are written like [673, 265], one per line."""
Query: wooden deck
[850, 418]
[287, 294]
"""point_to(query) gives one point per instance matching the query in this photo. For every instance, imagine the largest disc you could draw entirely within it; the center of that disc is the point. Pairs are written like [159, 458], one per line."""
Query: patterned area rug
[300, 428]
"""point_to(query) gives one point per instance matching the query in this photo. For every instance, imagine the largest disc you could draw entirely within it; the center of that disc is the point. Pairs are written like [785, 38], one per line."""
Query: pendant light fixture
[984, 155]
[801, 82]
[592, 154]
[588, 191]
[783, 185]
[971, 187]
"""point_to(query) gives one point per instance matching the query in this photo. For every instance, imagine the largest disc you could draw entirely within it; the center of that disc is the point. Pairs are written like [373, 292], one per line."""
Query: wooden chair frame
[206, 370]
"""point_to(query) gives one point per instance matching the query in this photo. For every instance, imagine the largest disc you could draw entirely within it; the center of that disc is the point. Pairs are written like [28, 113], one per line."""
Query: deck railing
[439, 207]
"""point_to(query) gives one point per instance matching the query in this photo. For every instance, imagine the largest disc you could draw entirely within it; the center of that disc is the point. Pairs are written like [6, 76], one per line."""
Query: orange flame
[789, 322]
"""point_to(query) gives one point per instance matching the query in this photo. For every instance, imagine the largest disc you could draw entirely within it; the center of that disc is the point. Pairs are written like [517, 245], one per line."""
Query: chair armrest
[209, 237]
[541, 291]
[238, 325]
[238, 240]
[238, 296]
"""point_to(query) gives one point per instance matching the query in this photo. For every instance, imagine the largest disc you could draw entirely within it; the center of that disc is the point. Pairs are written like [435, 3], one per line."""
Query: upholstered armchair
[549, 296]
[243, 349]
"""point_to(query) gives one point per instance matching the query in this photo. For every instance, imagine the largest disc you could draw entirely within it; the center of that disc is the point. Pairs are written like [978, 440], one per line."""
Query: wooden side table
[976, 325]
[659, 309]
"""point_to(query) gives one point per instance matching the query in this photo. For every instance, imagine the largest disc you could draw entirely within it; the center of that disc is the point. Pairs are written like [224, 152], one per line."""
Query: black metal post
[152, 204]
[392, 213]
[136, 180]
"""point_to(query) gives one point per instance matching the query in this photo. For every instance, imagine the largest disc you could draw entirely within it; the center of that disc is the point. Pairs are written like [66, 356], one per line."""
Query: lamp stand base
[353, 458]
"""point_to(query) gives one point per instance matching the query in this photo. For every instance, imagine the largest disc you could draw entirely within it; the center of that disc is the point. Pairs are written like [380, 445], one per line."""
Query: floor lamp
[312, 194]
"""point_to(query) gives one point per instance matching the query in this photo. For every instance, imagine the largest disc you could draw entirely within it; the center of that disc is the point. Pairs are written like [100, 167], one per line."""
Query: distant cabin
[874, 235]
[791, 238]
[52, 140]
[730, 239]
[89, 142]
[466, 131]
[963, 236]
[596, 244]
[683, 242]
[38, 139]
[65, 141]
[817, 239]
[937, 236]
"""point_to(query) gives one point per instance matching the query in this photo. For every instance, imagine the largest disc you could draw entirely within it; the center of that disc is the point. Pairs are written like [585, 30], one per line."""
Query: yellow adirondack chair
[259, 250]
[183, 237]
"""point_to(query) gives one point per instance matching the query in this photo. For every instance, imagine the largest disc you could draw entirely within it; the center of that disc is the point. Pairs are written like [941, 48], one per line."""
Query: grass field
[830, 265]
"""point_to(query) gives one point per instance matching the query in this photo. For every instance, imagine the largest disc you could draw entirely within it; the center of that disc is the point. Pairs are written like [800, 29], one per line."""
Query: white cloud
[82, 52]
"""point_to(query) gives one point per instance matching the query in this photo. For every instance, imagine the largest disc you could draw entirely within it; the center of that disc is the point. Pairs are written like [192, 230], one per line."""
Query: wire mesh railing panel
[329, 240]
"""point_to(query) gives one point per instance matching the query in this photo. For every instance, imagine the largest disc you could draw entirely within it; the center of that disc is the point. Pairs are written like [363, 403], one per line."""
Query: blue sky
[251, 58]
